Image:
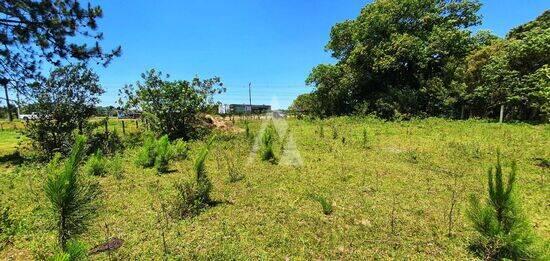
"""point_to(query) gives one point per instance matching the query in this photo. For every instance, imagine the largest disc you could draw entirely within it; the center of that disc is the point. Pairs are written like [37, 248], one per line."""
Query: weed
[321, 131]
[327, 207]
[334, 132]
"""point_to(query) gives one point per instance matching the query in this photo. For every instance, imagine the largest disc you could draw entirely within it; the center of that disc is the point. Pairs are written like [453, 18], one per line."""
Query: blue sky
[272, 44]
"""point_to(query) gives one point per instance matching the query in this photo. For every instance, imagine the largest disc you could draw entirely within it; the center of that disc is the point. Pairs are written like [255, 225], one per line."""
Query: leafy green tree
[64, 102]
[502, 228]
[72, 199]
[397, 57]
[172, 107]
[512, 72]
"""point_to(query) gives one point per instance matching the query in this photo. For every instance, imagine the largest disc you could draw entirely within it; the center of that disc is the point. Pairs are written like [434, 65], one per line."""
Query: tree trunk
[8, 102]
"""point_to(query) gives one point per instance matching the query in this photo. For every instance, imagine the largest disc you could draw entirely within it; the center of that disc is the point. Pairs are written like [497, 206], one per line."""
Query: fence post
[501, 113]
[123, 128]
[106, 128]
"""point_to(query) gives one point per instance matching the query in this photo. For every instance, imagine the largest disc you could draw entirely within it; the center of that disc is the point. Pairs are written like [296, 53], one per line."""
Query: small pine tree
[162, 154]
[365, 138]
[72, 200]
[267, 153]
[503, 232]
[327, 207]
[148, 153]
[193, 197]
[96, 165]
[247, 129]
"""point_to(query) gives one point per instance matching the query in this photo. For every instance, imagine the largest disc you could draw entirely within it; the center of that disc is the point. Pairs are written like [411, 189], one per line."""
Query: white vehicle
[26, 117]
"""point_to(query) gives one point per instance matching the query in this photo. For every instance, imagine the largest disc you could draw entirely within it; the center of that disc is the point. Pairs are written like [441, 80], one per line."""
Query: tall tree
[54, 31]
[398, 56]
[64, 102]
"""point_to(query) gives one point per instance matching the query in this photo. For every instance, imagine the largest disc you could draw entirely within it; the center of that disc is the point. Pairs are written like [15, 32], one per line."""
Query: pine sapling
[503, 231]
[73, 201]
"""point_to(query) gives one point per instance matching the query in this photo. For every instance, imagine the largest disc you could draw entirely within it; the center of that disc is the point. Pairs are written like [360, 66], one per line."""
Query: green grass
[8, 141]
[390, 200]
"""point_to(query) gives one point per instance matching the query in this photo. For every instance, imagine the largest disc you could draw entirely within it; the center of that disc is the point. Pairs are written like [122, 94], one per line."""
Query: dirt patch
[221, 124]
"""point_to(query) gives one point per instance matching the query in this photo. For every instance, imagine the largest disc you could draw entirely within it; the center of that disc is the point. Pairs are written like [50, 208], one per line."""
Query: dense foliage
[64, 102]
[34, 31]
[172, 107]
[419, 58]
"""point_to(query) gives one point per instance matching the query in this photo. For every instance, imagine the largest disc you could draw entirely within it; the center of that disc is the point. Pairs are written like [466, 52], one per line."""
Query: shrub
[63, 102]
[148, 152]
[109, 143]
[503, 232]
[192, 198]
[96, 165]
[72, 199]
[162, 154]
[327, 207]
[267, 153]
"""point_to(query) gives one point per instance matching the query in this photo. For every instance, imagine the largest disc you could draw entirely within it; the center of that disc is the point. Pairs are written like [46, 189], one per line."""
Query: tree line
[420, 58]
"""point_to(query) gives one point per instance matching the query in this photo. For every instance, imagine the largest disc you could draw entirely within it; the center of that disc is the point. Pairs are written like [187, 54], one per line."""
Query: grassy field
[391, 199]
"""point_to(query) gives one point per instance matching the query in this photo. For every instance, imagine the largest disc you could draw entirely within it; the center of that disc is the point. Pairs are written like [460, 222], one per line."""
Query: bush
[72, 199]
[109, 143]
[162, 154]
[267, 153]
[96, 165]
[503, 232]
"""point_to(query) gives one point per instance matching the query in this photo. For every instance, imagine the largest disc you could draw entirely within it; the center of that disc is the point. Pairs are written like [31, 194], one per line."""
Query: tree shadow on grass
[15, 158]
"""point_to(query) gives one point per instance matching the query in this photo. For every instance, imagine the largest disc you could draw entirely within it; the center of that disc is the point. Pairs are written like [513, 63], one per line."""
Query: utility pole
[4, 82]
[250, 96]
